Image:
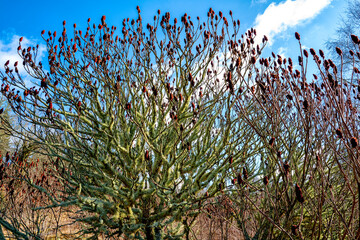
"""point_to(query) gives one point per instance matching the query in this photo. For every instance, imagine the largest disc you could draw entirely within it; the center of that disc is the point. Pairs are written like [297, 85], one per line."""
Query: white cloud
[278, 18]
[8, 51]
[282, 52]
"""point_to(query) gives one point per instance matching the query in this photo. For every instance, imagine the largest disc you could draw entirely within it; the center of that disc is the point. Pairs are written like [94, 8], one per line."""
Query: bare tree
[306, 182]
[140, 128]
[350, 24]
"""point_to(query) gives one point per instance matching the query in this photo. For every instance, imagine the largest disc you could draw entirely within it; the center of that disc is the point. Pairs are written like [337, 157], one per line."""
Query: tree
[306, 129]
[4, 136]
[349, 26]
[141, 128]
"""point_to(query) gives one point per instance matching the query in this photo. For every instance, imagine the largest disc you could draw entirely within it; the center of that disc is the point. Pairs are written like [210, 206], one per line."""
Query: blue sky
[315, 20]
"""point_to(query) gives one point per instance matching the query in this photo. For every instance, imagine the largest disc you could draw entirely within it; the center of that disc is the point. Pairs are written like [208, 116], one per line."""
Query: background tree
[18, 202]
[350, 24]
[4, 135]
[305, 185]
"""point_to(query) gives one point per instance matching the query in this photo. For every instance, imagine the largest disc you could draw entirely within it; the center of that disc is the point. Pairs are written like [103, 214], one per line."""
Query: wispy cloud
[282, 52]
[258, 1]
[8, 51]
[278, 18]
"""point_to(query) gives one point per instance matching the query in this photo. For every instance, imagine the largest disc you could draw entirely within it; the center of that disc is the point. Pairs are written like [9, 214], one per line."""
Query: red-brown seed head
[128, 106]
[238, 62]
[354, 142]
[305, 105]
[239, 179]
[312, 51]
[272, 141]
[190, 77]
[43, 83]
[245, 173]
[266, 180]
[298, 193]
[339, 133]
[286, 167]
[229, 76]
[338, 51]
[103, 18]
[306, 54]
[355, 39]
[294, 229]
[253, 60]
[297, 36]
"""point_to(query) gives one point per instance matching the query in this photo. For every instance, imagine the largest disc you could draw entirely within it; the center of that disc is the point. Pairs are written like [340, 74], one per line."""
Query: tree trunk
[149, 233]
